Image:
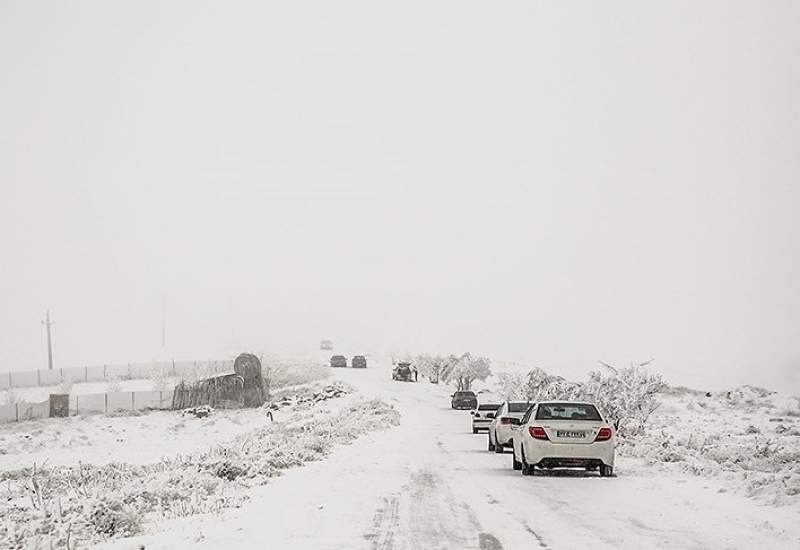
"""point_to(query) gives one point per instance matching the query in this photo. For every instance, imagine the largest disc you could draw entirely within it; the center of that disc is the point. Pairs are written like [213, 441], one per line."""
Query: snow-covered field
[717, 471]
[748, 437]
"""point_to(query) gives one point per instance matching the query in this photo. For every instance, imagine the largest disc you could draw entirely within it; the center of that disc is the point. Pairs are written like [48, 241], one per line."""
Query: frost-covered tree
[465, 370]
[627, 396]
[511, 385]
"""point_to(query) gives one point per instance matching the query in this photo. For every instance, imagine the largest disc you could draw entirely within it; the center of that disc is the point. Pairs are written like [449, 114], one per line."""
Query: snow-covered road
[430, 484]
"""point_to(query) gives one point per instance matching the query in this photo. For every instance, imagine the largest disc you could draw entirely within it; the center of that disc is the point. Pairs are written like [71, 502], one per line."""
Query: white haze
[547, 183]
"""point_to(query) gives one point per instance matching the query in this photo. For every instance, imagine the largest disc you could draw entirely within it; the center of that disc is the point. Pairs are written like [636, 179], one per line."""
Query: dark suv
[338, 361]
[358, 362]
[464, 400]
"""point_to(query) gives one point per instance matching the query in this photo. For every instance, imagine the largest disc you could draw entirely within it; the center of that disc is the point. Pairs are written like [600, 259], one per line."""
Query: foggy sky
[548, 183]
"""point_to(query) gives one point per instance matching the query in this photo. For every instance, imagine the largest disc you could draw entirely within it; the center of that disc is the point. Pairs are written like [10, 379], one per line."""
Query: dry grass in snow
[59, 505]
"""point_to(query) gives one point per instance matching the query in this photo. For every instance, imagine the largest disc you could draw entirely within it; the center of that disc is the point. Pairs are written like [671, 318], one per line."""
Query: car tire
[498, 448]
[606, 471]
[491, 445]
[515, 464]
[474, 430]
[527, 469]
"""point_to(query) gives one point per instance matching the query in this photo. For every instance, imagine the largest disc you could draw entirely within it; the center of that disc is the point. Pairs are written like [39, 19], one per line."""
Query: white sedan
[482, 416]
[563, 434]
[506, 416]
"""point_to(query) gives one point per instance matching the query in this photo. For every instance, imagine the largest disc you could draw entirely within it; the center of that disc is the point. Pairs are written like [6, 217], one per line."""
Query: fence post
[104, 372]
[61, 375]
[85, 374]
[133, 400]
[173, 367]
[105, 407]
[16, 411]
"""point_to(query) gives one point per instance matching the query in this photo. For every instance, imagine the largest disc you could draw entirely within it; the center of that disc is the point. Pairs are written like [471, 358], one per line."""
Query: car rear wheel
[527, 469]
[474, 430]
[491, 445]
[498, 448]
[606, 471]
[516, 464]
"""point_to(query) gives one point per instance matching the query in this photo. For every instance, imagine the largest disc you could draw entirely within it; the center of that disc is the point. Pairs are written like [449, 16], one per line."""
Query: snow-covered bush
[511, 385]
[278, 374]
[44, 508]
[111, 517]
[626, 396]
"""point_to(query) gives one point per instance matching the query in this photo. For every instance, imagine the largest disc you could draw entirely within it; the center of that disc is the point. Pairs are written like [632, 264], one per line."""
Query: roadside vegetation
[67, 505]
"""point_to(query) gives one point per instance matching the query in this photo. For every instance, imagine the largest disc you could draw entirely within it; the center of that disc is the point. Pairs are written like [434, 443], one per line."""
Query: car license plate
[571, 435]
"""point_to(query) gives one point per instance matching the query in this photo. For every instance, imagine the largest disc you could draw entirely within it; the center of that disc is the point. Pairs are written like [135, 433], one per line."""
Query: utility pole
[47, 322]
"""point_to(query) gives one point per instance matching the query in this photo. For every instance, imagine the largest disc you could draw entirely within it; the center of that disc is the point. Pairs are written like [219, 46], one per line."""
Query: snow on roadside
[91, 502]
[748, 437]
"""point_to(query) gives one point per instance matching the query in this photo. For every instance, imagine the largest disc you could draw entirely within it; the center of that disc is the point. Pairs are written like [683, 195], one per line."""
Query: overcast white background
[555, 183]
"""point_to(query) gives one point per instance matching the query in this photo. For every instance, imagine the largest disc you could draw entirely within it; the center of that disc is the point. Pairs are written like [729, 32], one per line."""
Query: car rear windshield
[567, 411]
[488, 407]
[518, 407]
[465, 394]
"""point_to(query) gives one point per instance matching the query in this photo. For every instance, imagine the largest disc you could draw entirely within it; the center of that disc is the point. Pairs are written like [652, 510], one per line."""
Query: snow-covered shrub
[111, 517]
[626, 396]
[279, 374]
[43, 508]
[511, 385]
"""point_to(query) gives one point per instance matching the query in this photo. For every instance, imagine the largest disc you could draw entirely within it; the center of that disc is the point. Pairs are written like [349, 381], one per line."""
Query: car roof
[566, 402]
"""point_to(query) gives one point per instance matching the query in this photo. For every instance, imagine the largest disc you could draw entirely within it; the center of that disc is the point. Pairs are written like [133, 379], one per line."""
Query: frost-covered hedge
[56, 507]
[626, 396]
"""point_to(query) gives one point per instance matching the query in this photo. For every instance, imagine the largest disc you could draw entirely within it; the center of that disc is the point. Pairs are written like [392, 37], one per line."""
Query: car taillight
[538, 433]
[603, 435]
[505, 420]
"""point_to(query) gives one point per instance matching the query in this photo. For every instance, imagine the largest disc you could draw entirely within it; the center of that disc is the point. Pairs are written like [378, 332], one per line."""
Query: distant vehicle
[326, 345]
[338, 361]
[507, 415]
[464, 400]
[563, 434]
[403, 372]
[483, 415]
[358, 362]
